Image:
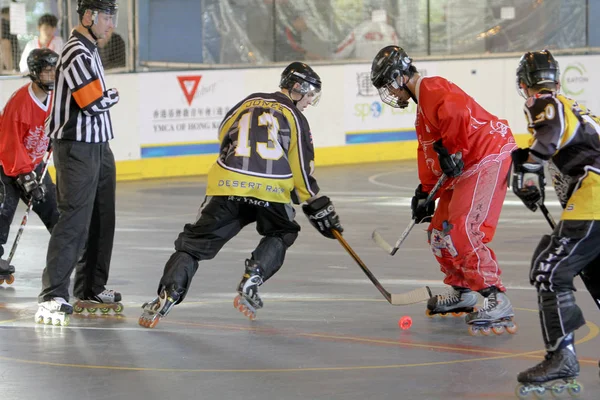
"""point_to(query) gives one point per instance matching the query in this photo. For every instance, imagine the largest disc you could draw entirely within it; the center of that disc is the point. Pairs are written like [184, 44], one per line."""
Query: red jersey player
[23, 143]
[459, 138]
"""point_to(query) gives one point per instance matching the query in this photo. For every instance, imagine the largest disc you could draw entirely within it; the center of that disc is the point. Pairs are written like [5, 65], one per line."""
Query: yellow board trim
[167, 167]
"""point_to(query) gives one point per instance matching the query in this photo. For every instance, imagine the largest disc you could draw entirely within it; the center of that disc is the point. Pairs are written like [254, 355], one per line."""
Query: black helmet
[537, 67]
[37, 61]
[388, 64]
[298, 72]
[106, 6]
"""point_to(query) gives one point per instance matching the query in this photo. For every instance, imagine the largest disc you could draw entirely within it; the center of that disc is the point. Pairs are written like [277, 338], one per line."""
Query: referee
[80, 127]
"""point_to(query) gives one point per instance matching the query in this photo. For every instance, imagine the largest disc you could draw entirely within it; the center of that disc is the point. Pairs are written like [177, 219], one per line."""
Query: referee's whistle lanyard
[49, 43]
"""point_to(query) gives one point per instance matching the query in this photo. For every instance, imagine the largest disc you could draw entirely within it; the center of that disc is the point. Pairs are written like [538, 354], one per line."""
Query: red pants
[465, 221]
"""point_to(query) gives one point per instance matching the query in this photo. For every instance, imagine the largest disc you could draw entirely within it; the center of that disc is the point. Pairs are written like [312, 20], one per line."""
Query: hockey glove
[32, 187]
[420, 211]
[528, 180]
[452, 164]
[321, 214]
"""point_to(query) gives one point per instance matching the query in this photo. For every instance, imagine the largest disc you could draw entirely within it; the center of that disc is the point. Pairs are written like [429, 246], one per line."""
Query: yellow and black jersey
[568, 135]
[266, 152]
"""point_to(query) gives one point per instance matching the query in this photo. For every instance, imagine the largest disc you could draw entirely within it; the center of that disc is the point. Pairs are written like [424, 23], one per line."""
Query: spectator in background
[292, 48]
[9, 45]
[368, 38]
[47, 25]
[112, 50]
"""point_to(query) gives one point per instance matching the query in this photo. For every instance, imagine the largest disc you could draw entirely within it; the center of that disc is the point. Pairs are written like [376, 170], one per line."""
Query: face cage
[388, 98]
[114, 16]
[46, 87]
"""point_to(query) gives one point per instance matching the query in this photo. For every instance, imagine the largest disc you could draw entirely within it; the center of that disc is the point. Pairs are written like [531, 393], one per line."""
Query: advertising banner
[578, 80]
[180, 112]
[366, 118]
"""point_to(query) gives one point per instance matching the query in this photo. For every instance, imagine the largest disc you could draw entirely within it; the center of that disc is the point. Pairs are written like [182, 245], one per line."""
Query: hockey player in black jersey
[566, 136]
[266, 161]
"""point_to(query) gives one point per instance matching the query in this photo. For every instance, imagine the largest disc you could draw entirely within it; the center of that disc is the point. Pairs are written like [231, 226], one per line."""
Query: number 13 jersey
[266, 152]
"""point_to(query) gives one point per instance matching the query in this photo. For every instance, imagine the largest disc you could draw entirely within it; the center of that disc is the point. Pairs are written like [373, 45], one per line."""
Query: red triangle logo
[189, 85]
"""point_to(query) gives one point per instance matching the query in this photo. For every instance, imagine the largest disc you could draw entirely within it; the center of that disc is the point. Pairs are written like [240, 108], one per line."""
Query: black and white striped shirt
[81, 101]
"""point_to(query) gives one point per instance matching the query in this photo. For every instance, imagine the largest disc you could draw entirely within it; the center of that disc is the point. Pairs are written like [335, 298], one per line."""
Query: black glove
[528, 180]
[32, 187]
[321, 214]
[452, 164]
[421, 213]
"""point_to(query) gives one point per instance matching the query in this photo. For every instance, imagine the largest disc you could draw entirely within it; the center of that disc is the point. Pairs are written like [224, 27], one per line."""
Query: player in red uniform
[459, 138]
[23, 143]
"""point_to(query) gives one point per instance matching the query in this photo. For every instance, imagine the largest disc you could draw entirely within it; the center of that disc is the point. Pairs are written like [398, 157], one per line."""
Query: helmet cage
[37, 61]
[390, 63]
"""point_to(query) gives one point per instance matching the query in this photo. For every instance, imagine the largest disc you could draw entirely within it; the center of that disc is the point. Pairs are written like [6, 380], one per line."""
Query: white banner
[578, 80]
[186, 107]
[366, 117]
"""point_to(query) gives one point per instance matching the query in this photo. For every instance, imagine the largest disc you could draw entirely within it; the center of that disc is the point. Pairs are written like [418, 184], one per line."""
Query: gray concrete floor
[325, 331]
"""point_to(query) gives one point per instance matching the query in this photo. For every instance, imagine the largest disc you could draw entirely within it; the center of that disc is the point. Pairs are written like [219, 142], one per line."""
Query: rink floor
[325, 331]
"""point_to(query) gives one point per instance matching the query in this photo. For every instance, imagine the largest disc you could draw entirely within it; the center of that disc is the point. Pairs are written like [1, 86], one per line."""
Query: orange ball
[405, 322]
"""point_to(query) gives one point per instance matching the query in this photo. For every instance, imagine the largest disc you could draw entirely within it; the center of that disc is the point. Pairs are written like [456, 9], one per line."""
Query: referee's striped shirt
[81, 101]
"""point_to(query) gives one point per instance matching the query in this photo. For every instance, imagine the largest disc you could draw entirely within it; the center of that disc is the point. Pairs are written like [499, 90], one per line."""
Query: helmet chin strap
[89, 29]
[410, 93]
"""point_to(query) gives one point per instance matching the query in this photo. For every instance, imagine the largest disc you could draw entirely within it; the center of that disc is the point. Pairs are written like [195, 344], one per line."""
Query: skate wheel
[498, 330]
[119, 308]
[575, 389]
[522, 392]
[9, 280]
[557, 390]
[512, 329]
[92, 310]
[444, 315]
[486, 330]
[429, 313]
[473, 331]
[236, 302]
[77, 309]
[105, 310]
[458, 314]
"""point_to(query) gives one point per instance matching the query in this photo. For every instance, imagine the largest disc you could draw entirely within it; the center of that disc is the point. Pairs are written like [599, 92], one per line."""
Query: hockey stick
[26, 216]
[414, 296]
[377, 238]
[548, 216]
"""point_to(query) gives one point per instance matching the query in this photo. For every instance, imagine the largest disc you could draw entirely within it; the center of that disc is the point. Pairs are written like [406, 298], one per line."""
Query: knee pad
[178, 273]
[270, 254]
[553, 301]
[559, 314]
[289, 238]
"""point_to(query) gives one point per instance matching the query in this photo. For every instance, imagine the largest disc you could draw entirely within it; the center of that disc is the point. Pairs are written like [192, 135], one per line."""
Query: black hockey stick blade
[414, 296]
[548, 216]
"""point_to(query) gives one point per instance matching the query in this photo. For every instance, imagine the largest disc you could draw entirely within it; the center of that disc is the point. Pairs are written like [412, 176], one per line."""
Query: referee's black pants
[85, 188]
